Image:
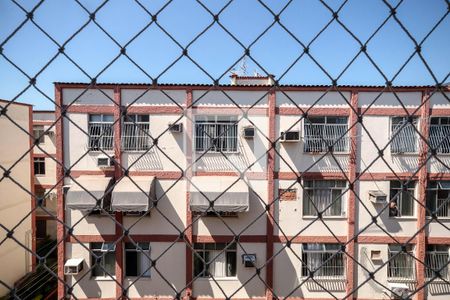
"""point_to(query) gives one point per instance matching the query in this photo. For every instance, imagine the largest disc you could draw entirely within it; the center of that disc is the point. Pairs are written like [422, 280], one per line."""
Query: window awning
[133, 195]
[74, 262]
[77, 196]
[230, 194]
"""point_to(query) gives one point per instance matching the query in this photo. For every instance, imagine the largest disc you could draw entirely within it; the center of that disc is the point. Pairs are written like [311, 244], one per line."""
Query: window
[38, 133]
[135, 133]
[436, 260]
[400, 264]
[322, 132]
[137, 259]
[216, 134]
[106, 266]
[323, 196]
[438, 198]
[324, 260]
[101, 132]
[403, 135]
[41, 229]
[215, 260]
[440, 134]
[402, 199]
[39, 166]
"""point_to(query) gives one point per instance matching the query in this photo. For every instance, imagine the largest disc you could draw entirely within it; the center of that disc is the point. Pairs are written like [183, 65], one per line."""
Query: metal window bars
[404, 135]
[218, 137]
[320, 137]
[135, 136]
[437, 262]
[323, 261]
[401, 265]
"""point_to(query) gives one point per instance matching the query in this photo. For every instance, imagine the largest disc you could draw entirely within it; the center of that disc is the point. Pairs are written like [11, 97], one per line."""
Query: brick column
[423, 173]
[351, 203]
[188, 174]
[32, 189]
[117, 174]
[270, 192]
[60, 231]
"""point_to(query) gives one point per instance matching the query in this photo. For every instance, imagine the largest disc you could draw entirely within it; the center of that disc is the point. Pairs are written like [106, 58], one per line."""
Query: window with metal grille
[39, 166]
[436, 261]
[400, 264]
[136, 133]
[137, 259]
[38, 133]
[402, 199]
[105, 265]
[440, 134]
[326, 196]
[215, 260]
[323, 132]
[101, 132]
[438, 198]
[403, 135]
[216, 134]
[324, 260]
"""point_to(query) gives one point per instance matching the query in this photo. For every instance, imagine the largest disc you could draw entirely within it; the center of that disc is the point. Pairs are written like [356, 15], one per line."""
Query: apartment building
[44, 180]
[16, 233]
[160, 182]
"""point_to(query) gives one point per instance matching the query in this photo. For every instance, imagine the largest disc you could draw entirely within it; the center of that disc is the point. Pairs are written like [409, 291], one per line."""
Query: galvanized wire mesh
[326, 140]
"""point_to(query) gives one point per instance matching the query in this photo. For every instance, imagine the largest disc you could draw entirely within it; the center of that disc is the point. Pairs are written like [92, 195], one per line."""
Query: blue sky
[216, 51]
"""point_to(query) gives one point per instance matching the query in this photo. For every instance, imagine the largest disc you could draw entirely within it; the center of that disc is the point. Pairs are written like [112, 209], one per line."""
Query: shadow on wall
[405, 163]
[150, 161]
[391, 224]
[289, 286]
[90, 288]
[371, 266]
[328, 285]
[218, 162]
[438, 288]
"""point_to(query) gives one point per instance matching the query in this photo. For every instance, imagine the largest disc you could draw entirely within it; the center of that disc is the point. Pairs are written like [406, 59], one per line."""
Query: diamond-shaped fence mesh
[268, 187]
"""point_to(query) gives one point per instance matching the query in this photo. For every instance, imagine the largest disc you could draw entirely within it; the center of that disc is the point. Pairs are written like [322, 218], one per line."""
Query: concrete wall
[15, 202]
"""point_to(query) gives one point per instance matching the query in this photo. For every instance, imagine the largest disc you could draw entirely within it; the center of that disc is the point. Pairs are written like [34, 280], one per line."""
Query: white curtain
[217, 266]
[144, 263]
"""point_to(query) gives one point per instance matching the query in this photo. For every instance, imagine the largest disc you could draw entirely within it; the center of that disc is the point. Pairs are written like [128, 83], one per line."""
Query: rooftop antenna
[243, 66]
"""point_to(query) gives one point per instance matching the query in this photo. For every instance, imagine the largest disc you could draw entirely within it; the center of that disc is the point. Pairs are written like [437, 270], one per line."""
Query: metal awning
[135, 194]
[232, 194]
[83, 193]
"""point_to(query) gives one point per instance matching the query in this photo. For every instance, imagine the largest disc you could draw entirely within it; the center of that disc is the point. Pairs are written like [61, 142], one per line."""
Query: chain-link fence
[262, 188]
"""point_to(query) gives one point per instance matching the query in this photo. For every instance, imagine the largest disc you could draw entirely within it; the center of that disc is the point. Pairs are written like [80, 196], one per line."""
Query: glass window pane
[131, 263]
[231, 263]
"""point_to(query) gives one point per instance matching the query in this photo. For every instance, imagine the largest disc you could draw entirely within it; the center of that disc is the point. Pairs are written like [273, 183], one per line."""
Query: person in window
[393, 209]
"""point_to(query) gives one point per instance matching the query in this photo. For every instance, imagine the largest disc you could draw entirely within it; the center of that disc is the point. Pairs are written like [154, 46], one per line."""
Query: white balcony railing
[324, 264]
[440, 138]
[216, 136]
[318, 137]
[135, 136]
[437, 261]
[101, 136]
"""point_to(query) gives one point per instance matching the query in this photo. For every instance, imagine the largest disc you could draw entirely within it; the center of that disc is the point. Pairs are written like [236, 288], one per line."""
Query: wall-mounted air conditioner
[73, 266]
[375, 255]
[290, 136]
[105, 162]
[377, 196]
[176, 128]
[249, 260]
[248, 132]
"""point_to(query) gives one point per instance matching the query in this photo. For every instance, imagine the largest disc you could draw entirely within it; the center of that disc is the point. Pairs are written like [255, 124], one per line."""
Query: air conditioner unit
[248, 132]
[50, 133]
[73, 266]
[398, 290]
[176, 127]
[290, 136]
[104, 162]
[249, 260]
[377, 196]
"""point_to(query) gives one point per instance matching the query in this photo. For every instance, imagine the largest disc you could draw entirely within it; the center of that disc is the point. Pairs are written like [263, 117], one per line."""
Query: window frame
[139, 249]
[203, 144]
[326, 249]
[220, 249]
[137, 126]
[400, 192]
[39, 165]
[431, 139]
[39, 134]
[103, 138]
[431, 250]
[434, 187]
[106, 250]
[393, 134]
[336, 187]
[408, 256]
[326, 123]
